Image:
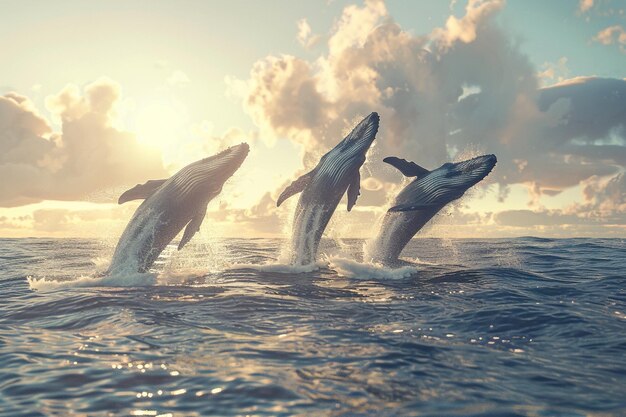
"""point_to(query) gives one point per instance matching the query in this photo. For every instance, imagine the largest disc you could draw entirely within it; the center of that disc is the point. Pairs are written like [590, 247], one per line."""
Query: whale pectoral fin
[295, 187]
[141, 191]
[409, 169]
[192, 227]
[354, 190]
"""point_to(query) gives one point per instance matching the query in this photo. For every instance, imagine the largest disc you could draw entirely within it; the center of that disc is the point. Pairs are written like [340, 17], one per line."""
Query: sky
[96, 97]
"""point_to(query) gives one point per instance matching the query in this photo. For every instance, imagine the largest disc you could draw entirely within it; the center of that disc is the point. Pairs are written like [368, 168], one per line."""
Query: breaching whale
[169, 205]
[421, 199]
[323, 187]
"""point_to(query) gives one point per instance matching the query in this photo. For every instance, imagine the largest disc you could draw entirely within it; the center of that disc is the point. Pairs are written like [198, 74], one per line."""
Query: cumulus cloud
[462, 89]
[553, 72]
[88, 155]
[585, 5]
[305, 35]
[529, 218]
[464, 29]
[612, 35]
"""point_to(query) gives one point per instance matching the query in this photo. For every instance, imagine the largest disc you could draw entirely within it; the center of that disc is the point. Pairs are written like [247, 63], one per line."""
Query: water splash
[351, 269]
[305, 238]
[281, 268]
[128, 279]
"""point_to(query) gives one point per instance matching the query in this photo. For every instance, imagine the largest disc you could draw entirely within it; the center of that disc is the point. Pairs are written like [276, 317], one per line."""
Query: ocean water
[497, 327]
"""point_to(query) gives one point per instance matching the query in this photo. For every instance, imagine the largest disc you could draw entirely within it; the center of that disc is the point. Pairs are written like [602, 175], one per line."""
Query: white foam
[182, 276]
[283, 268]
[134, 279]
[101, 262]
[352, 269]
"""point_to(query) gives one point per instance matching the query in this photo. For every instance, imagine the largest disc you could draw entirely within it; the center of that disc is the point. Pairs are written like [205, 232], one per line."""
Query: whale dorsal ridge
[409, 169]
[141, 191]
[192, 227]
[354, 190]
[295, 187]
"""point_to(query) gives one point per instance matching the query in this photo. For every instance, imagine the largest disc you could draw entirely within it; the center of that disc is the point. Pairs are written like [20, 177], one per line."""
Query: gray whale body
[323, 187]
[169, 205]
[420, 200]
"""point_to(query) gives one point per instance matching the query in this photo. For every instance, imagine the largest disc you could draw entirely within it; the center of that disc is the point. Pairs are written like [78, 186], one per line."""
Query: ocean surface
[494, 327]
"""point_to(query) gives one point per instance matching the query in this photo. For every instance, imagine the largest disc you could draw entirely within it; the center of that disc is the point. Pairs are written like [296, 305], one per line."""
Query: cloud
[305, 35]
[585, 5]
[87, 156]
[612, 35]
[464, 29]
[566, 134]
[463, 89]
[558, 223]
[14, 223]
[529, 218]
[553, 72]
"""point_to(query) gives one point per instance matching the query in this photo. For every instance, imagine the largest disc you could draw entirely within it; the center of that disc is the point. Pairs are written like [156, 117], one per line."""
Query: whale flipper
[141, 191]
[409, 169]
[295, 187]
[354, 190]
[192, 227]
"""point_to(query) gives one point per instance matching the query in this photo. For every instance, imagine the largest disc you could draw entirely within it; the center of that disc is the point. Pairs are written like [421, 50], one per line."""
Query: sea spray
[118, 279]
[349, 268]
[305, 239]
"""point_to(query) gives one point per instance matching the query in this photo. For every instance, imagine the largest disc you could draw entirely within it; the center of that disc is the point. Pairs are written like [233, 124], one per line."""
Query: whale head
[449, 182]
[361, 137]
[225, 163]
[342, 163]
[208, 175]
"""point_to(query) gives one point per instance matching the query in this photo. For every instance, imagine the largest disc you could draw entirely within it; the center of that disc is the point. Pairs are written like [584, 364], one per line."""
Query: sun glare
[160, 123]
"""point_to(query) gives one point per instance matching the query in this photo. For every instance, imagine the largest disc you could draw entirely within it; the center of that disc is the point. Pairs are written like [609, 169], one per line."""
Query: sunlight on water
[283, 268]
[501, 329]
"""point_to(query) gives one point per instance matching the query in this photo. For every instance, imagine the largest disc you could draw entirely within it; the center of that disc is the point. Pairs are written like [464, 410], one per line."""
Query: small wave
[283, 268]
[351, 269]
[133, 279]
[101, 262]
[185, 276]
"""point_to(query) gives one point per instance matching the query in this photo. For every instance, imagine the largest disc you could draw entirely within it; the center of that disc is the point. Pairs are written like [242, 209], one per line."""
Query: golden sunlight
[160, 123]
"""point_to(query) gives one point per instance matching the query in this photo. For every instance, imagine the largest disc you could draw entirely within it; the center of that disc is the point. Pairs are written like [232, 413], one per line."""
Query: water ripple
[515, 327]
